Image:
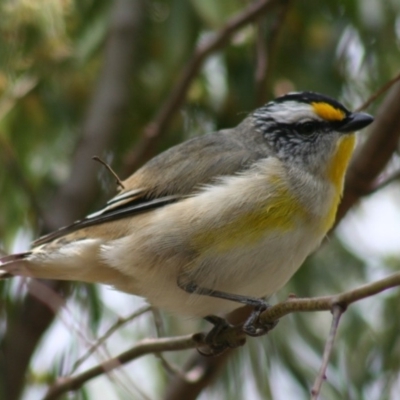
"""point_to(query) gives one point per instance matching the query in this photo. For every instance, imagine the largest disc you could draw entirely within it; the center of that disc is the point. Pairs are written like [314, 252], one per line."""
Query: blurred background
[123, 80]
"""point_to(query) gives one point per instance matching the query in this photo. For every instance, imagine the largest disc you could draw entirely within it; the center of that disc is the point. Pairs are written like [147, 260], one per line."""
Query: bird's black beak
[355, 122]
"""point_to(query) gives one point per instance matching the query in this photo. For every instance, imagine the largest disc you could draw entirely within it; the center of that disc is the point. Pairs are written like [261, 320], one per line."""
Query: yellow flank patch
[328, 112]
[282, 213]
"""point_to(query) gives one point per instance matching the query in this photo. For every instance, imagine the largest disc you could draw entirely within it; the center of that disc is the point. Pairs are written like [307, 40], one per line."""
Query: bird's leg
[252, 326]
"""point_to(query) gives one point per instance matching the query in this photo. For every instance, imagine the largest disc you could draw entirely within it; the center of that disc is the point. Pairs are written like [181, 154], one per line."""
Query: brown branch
[169, 367]
[31, 318]
[153, 132]
[121, 322]
[385, 182]
[266, 53]
[144, 347]
[292, 304]
[315, 391]
[327, 303]
[384, 88]
[105, 115]
[202, 371]
[262, 63]
[371, 158]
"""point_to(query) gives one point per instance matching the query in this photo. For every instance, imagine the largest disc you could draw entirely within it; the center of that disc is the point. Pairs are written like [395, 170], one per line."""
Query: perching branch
[146, 346]
[292, 304]
[327, 303]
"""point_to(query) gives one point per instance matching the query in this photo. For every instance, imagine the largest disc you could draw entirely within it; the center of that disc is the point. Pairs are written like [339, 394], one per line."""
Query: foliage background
[83, 78]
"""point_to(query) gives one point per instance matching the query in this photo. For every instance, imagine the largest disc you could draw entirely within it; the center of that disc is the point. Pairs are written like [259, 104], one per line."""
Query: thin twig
[113, 328]
[169, 367]
[110, 170]
[293, 304]
[315, 391]
[55, 302]
[379, 92]
[175, 370]
[326, 303]
[155, 129]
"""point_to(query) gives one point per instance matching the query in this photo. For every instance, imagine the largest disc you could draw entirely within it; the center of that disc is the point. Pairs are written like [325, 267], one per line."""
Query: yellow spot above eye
[328, 112]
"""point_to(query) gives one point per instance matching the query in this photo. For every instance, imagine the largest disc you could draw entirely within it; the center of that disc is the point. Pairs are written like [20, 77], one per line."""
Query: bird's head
[309, 130]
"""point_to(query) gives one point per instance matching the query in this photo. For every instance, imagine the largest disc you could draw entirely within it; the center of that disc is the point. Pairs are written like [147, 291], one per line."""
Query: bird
[220, 220]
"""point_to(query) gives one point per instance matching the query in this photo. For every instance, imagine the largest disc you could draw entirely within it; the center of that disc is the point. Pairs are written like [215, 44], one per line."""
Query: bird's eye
[306, 128]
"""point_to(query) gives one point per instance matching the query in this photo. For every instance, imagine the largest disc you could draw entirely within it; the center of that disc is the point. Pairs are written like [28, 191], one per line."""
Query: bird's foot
[253, 326]
[223, 336]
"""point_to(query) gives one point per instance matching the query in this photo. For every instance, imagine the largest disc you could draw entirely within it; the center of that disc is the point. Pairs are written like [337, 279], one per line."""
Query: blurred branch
[327, 303]
[154, 131]
[105, 115]
[378, 93]
[266, 53]
[204, 371]
[292, 304]
[262, 63]
[385, 182]
[30, 319]
[371, 158]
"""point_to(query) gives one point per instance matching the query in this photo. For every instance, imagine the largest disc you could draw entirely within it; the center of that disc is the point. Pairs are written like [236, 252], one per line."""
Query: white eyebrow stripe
[290, 112]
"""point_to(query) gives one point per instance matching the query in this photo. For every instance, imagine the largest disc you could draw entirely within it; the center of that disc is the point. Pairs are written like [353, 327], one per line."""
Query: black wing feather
[106, 215]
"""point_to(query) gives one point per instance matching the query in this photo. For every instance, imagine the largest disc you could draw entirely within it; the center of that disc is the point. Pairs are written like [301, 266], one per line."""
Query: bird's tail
[10, 265]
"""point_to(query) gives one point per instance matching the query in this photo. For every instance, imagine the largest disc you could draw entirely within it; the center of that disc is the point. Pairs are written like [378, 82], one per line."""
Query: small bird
[218, 220]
